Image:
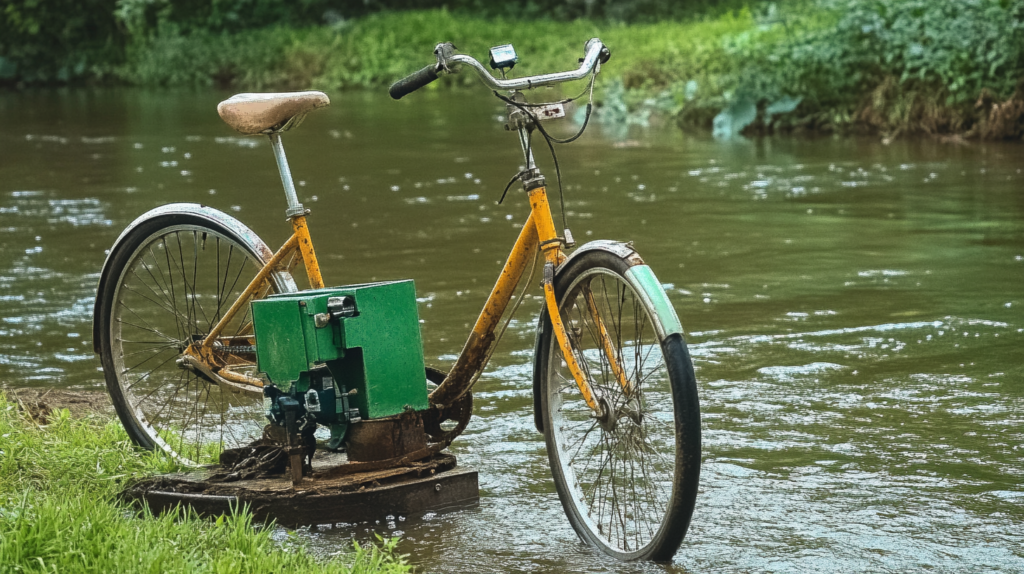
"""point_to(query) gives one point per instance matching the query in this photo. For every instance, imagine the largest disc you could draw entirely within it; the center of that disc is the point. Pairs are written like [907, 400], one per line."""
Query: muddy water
[855, 311]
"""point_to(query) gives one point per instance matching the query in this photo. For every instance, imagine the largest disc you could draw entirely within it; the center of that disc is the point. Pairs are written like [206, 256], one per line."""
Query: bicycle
[614, 388]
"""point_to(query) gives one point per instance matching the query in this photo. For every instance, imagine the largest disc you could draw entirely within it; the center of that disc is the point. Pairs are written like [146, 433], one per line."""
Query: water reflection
[853, 309]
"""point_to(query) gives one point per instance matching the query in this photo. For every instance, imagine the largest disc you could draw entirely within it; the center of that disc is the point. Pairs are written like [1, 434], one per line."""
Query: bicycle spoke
[163, 289]
[151, 328]
[168, 285]
[182, 279]
[161, 348]
[195, 270]
[154, 331]
[144, 377]
[222, 281]
[616, 470]
[158, 304]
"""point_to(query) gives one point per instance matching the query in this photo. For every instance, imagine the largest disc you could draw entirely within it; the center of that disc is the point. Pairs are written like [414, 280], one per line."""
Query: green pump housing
[371, 346]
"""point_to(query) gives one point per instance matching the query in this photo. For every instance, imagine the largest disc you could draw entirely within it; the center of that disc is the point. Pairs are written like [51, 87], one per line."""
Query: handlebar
[449, 62]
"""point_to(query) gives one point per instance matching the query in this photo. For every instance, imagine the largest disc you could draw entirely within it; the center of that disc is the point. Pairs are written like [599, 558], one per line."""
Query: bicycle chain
[237, 349]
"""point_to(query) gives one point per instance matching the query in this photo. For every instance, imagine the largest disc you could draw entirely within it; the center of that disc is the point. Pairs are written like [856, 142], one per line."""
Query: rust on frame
[316, 281]
[474, 355]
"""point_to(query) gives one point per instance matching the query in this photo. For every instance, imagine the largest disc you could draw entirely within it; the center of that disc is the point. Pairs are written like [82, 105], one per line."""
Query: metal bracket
[517, 117]
[533, 180]
[444, 53]
[295, 212]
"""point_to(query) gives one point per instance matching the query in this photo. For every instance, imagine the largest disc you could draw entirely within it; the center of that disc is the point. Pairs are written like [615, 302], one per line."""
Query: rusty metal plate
[435, 485]
[381, 439]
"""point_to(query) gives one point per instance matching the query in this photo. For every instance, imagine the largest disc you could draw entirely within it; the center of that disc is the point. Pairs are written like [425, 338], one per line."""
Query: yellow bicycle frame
[299, 241]
[538, 231]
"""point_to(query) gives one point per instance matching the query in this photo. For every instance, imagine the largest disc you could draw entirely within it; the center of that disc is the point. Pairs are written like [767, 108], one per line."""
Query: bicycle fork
[553, 256]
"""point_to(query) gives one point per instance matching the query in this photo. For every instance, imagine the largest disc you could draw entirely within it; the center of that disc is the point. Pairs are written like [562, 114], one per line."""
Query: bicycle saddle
[253, 114]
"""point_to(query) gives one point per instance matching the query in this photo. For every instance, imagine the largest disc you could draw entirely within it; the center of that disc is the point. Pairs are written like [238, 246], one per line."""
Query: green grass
[59, 512]
[903, 66]
[376, 50]
[824, 65]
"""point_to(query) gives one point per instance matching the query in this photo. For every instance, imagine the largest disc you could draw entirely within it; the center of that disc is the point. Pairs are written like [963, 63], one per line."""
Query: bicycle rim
[616, 476]
[173, 288]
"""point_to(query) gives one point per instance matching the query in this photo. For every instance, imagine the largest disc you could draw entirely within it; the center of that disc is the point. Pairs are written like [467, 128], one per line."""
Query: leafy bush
[57, 40]
[142, 18]
[965, 46]
[890, 65]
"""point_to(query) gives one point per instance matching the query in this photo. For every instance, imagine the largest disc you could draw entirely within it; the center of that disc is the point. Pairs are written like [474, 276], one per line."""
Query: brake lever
[602, 57]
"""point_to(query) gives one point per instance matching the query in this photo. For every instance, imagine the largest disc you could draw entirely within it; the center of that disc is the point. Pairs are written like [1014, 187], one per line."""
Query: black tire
[628, 481]
[169, 281]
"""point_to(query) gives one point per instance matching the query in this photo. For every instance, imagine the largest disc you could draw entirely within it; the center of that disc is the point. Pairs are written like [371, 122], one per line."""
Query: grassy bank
[59, 511]
[842, 65]
[894, 67]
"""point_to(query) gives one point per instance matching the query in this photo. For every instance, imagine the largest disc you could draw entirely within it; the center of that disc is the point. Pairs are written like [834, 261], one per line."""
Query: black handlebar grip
[413, 82]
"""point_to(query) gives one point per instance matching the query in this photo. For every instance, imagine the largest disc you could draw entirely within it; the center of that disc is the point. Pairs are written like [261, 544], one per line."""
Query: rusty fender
[215, 217]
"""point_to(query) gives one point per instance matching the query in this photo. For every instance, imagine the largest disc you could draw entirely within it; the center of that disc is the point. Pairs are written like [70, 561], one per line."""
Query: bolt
[437, 487]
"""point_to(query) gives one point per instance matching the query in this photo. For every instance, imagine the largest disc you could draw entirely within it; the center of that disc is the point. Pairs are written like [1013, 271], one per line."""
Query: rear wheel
[627, 478]
[171, 280]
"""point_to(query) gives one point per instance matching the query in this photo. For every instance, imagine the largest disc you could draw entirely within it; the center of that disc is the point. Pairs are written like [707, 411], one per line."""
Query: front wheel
[627, 478]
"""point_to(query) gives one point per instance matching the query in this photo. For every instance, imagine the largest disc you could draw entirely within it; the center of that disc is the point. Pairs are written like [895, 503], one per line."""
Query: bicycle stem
[524, 141]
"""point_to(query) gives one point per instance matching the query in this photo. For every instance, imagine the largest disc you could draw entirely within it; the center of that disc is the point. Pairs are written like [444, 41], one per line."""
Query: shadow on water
[853, 309]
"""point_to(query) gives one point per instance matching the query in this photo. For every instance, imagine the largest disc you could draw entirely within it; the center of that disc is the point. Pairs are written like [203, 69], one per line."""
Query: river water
[855, 310]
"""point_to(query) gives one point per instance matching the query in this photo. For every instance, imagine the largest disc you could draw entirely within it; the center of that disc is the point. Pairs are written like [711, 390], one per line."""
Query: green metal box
[378, 353]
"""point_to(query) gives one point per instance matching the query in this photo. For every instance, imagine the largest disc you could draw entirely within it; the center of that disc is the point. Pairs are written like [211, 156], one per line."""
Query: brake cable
[550, 140]
[514, 179]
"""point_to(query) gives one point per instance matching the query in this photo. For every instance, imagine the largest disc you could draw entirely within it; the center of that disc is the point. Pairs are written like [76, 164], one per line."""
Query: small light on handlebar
[503, 56]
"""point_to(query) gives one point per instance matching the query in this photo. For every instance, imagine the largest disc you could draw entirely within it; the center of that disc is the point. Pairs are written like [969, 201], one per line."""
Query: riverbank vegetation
[951, 68]
[59, 511]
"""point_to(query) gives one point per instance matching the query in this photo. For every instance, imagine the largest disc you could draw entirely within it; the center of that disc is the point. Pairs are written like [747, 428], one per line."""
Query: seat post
[294, 207]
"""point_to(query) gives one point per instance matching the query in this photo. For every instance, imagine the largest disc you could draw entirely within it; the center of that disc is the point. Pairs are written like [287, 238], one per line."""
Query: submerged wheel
[170, 281]
[627, 479]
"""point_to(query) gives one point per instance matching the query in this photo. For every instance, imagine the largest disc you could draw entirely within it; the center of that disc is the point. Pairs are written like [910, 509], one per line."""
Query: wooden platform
[434, 484]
